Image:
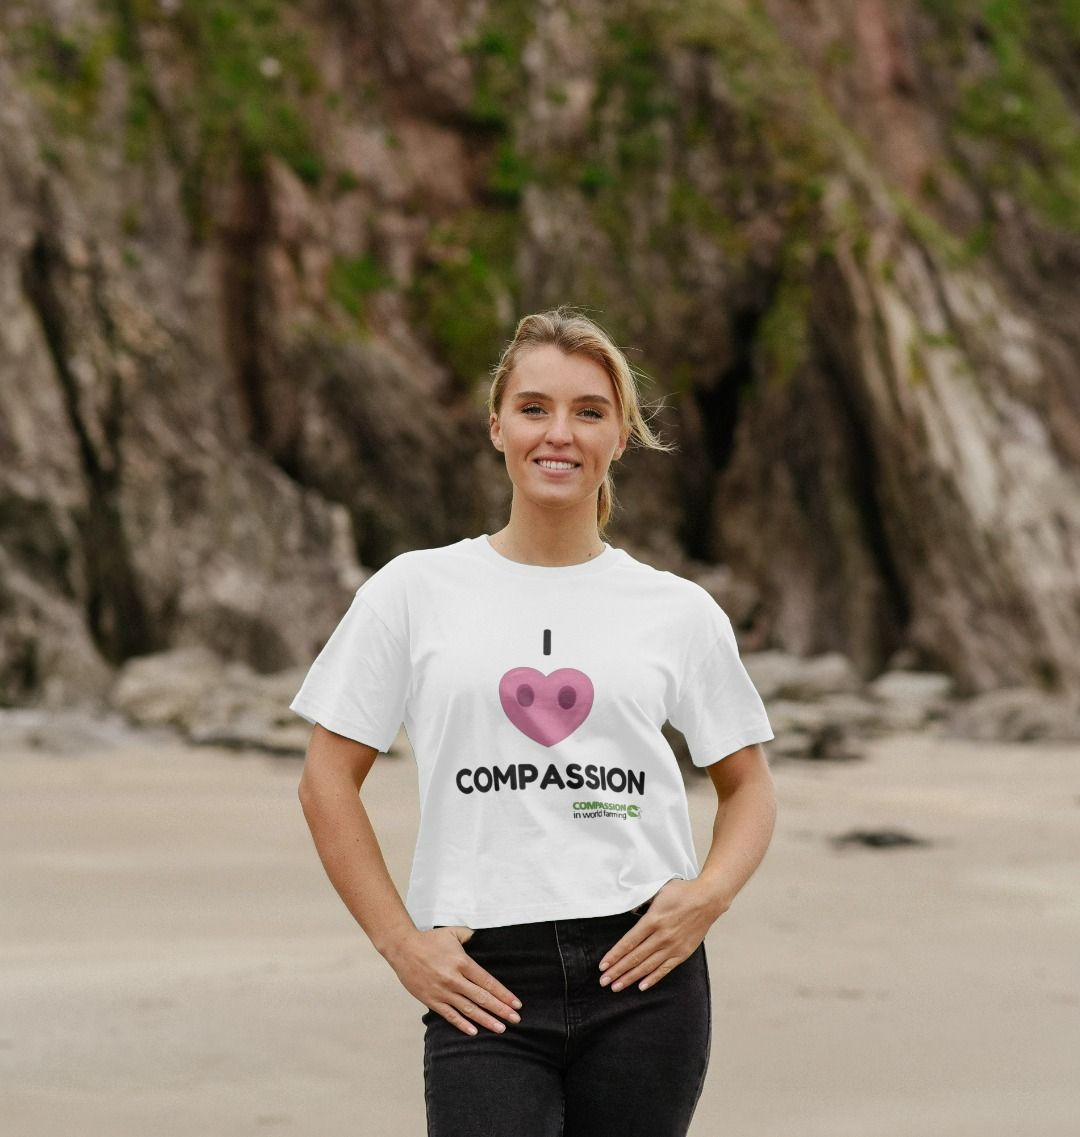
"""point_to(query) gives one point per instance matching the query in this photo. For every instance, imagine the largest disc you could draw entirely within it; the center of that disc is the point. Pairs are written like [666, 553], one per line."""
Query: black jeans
[584, 1061]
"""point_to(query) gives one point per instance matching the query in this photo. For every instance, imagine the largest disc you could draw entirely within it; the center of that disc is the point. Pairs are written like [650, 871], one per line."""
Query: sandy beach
[176, 963]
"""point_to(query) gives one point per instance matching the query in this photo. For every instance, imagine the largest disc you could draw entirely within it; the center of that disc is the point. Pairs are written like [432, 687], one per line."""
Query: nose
[559, 428]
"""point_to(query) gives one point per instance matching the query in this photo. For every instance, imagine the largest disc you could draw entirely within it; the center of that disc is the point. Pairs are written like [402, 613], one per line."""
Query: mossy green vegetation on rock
[466, 295]
[1016, 59]
[65, 70]
[249, 78]
[782, 335]
[353, 280]
[510, 173]
[759, 126]
[787, 131]
[695, 211]
[250, 74]
[631, 93]
[495, 52]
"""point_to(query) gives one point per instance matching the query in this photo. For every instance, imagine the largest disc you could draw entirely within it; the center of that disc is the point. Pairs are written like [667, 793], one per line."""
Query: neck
[549, 538]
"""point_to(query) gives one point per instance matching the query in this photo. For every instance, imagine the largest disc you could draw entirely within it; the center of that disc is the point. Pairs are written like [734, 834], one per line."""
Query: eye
[592, 412]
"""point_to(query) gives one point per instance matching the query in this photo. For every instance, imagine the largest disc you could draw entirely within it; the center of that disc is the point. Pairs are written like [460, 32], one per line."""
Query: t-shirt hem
[715, 751]
[428, 918]
[339, 724]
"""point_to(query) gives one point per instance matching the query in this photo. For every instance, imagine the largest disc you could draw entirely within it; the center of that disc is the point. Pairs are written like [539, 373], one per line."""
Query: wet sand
[175, 962]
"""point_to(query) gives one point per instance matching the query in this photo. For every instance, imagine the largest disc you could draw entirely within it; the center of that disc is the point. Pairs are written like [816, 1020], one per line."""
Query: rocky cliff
[256, 258]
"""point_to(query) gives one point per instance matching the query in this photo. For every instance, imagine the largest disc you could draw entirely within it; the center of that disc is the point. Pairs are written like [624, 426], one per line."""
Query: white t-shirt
[533, 698]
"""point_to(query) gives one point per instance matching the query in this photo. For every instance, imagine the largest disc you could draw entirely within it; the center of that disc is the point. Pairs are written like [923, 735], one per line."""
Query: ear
[494, 432]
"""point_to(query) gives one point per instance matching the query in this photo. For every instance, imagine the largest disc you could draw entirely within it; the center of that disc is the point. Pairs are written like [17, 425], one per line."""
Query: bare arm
[433, 966]
[683, 911]
[744, 822]
[329, 791]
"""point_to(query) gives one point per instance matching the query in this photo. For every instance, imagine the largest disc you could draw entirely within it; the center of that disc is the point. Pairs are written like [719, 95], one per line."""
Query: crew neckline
[604, 559]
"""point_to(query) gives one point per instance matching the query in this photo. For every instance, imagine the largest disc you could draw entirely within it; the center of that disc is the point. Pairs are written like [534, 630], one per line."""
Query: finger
[493, 995]
[454, 1018]
[651, 980]
[624, 955]
[487, 1002]
[470, 1009]
[464, 1013]
[640, 970]
[618, 952]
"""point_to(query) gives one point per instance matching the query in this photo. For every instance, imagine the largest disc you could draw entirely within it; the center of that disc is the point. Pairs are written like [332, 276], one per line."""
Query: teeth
[552, 465]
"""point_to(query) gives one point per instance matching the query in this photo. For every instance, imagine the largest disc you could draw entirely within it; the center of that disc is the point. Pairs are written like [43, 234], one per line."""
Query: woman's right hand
[435, 968]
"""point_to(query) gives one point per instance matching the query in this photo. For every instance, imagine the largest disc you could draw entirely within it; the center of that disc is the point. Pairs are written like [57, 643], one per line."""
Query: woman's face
[559, 426]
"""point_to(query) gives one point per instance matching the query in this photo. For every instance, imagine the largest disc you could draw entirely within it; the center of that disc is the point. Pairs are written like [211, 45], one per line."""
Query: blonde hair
[576, 334]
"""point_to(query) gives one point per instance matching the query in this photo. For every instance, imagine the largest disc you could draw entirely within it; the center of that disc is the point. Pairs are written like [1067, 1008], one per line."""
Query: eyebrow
[580, 399]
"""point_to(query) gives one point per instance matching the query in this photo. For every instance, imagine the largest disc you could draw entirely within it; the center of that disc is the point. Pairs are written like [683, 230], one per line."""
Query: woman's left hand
[668, 933]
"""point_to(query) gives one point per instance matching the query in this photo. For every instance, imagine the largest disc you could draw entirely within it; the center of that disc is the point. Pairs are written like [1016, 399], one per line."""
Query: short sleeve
[718, 708]
[358, 684]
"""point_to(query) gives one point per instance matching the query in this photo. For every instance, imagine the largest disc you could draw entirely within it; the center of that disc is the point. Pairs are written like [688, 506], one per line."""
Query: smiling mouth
[552, 464]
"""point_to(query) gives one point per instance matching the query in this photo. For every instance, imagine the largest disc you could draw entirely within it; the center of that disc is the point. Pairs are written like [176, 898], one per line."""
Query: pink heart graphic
[547, 708]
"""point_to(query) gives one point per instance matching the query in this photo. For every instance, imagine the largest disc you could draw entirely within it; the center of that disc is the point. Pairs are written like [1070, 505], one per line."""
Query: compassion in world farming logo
[623, 810]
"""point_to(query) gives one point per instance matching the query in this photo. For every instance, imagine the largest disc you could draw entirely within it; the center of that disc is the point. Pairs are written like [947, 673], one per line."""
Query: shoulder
[409, 566]
[671, 588]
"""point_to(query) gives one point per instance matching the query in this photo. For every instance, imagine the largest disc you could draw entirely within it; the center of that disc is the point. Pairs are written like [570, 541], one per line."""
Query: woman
[555, 915]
